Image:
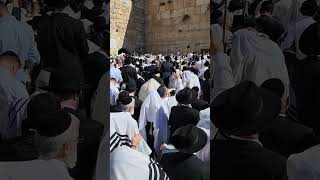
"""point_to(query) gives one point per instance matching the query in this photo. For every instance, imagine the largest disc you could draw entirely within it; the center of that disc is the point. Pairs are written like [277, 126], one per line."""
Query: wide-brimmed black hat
[186, 96]
[66, 79]
[309, 8]
[45, 115]
[245, 109]
[155, 71]
[309, 41]
[189, 139]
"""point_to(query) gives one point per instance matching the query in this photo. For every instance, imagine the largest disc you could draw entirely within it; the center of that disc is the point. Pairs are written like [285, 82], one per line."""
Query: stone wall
[127, 22]
[160, 26]
[173, 25]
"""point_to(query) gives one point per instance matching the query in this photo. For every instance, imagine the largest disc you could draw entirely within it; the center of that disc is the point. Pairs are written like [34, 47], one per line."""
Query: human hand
[136, 139]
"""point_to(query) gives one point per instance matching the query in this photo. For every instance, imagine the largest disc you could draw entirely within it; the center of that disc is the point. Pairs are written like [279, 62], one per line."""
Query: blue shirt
[116, 74]
[18, 37]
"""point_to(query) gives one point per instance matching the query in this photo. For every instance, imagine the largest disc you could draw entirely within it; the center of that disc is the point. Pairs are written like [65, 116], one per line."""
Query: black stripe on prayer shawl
[156, 172]
[17, 111]
[150, 170]
[119, 140]
[12, 106]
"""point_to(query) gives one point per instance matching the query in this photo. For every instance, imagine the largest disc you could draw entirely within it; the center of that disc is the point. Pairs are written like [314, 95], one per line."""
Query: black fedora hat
[45, 115]
[309, 41]
[66, 79]
[189, 139]
[245, 109]
[186, 96]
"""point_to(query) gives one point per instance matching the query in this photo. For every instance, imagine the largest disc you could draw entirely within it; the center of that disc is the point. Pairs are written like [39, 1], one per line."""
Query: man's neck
[69, 104]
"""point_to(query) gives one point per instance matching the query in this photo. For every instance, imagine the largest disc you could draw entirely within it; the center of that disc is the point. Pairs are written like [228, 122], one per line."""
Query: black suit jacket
[129, 72]
[91, 132]
[62, 41]
[307, 92]
[287, 137]
[182, 116]
[180, 166]
[167, 67]
[247, 160]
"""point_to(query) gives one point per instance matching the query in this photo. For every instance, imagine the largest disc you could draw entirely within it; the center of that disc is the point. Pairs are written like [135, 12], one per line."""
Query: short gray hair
[50, 147]
[125, 108]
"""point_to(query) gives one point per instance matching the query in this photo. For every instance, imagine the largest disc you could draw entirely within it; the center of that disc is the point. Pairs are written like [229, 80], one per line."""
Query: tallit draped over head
[146, 88]
[122, 129]
[190, 79]
[206, 125]
[154, 110]
[254, 57]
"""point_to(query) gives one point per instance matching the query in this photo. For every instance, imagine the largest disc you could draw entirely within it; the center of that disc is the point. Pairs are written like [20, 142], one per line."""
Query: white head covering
[256, 58]
[156, 111]
[146, 88]
[305, 165]
[206, 125]
[190, 77]
[126, 163]
[122, 129]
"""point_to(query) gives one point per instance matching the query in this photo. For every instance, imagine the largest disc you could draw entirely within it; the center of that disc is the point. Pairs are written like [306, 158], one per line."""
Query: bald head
[3, 9]
[10, 61]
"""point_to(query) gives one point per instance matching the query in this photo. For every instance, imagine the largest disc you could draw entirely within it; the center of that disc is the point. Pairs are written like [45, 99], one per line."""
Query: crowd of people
[265, 94]
[54, 62]
[160, 116]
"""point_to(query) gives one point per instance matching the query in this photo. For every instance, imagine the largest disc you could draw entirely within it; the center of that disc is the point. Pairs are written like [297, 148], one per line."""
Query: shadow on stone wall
[134, 38]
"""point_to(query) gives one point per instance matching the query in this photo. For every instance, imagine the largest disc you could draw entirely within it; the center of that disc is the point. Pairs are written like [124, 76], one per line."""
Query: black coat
[247, 160]
[287, 137]
[180, 166]
[308, 92]
[181, 116]
[129, 72]
[166, 68]
[91, 133]
[62, 42]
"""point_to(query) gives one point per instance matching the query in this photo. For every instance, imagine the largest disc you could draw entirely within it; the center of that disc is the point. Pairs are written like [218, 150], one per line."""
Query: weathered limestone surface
[160, 26]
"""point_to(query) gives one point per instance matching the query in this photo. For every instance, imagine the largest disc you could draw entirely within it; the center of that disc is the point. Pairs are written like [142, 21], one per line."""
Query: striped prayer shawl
[156, 171]
[127, 163]
[117, 140]
[16, 114]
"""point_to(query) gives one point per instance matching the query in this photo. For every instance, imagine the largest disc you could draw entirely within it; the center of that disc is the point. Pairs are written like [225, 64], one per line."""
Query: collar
[7, 18]
[222, 137]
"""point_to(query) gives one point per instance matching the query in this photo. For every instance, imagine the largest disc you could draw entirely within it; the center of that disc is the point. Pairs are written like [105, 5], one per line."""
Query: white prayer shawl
[282, 11]
[294, 34]
[256, 58]
[217, 33]
[129, 164]
[146, 88]
[13, 104]
[190, 77]
[103, 157]
[122, 129]
[154, 110]
[170, 102]
[34, 170]
[202, 71]
[206, 125]
[175, 83]
[304, 166]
